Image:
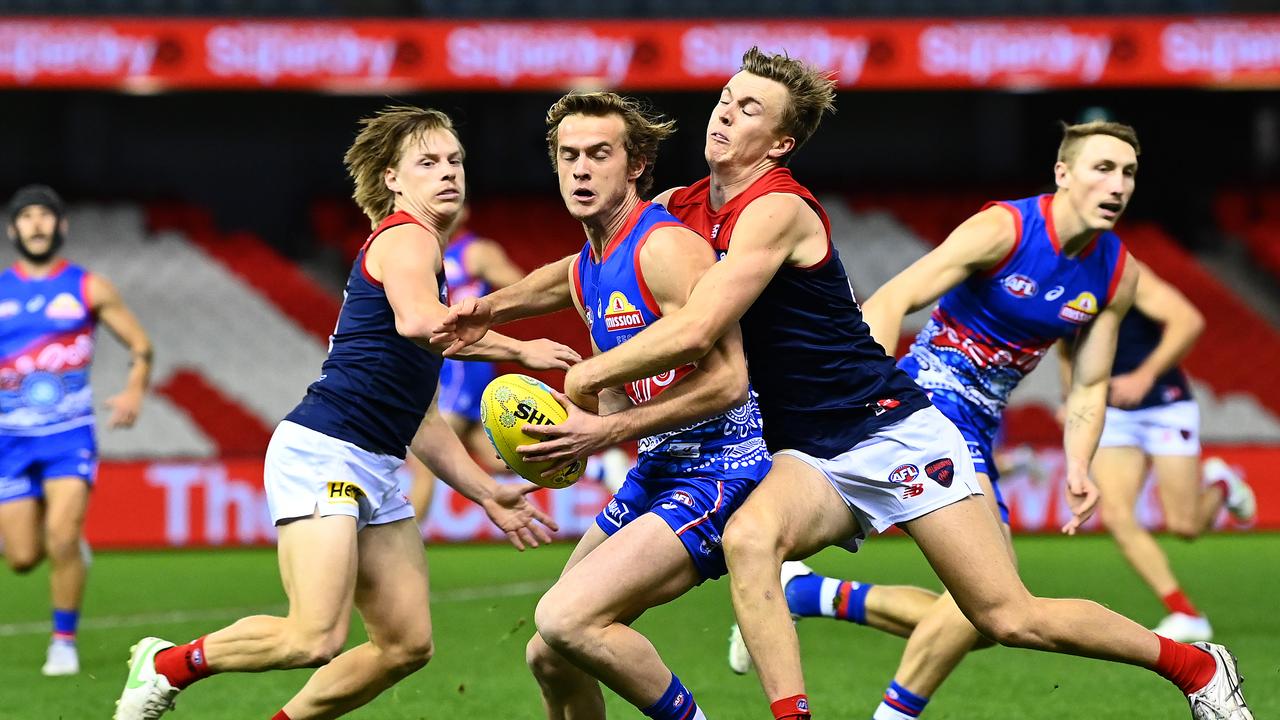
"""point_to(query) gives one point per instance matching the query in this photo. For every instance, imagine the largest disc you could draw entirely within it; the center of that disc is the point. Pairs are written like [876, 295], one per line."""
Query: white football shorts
[306, 471]
[1172, 429]
[901, 472]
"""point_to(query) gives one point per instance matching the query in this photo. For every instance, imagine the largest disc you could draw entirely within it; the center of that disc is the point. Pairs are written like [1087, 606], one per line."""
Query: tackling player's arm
[1086, 404]
[1181, 325]
[436, 445]
[671, 260]
[404, 260]
[108, 306]
[489, 261]
[771, 231]
[979, 243]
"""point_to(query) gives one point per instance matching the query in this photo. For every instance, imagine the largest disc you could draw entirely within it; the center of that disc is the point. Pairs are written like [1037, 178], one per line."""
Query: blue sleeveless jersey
[617, 304]
[462, 284]
[825, 385]
[1139, 336]
[991, 330]
[46, 348]
[375, 386]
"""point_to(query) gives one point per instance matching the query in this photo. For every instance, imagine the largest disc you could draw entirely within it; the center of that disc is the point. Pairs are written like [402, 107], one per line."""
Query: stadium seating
[229, 362]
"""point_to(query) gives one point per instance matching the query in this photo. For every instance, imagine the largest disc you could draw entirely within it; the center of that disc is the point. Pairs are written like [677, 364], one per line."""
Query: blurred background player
[49, 309]
[1153, 421]
[473, 266]
[346, 532]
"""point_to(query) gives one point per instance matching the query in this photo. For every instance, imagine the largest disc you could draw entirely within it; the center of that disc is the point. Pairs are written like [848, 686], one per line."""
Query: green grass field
[483, 606]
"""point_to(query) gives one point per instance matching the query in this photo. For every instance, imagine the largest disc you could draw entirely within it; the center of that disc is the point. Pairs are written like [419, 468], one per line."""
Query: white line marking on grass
[185, 616]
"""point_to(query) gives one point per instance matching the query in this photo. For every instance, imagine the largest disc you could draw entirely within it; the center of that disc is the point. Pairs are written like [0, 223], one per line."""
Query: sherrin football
[508, 404]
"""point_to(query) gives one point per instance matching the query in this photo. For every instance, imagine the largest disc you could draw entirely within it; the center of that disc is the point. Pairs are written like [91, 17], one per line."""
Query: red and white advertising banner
[218, 503]
[378, 56]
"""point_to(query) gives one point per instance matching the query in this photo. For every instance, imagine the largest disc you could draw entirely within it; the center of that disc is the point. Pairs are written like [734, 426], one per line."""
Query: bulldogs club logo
[941, 471]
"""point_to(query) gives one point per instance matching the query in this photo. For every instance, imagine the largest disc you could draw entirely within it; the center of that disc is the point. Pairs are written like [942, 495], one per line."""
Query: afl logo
[904, 473]
[1020, 286]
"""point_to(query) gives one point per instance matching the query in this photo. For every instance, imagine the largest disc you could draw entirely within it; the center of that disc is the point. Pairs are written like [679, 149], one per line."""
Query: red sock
[1176, 602]
[795, 707]
[280, 716]
[184, 664]
[1186, 666]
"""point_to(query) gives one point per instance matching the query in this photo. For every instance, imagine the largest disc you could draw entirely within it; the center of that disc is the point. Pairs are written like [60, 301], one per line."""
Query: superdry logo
[1221, 48]
[269, 51]
[941, 471]
[508, 53]
[981, 51]
[1020, 286]
[904, 473]
[716, 50]
[29, 50]
[620, 314]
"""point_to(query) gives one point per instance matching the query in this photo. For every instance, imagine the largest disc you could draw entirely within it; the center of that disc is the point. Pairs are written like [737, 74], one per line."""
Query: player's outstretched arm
[404, 259]
[436, 445]
[764, 238]
[109, 307]
[541, 292]
[979, 243]
[1182, 324]
[672, 261]
[1087, 400]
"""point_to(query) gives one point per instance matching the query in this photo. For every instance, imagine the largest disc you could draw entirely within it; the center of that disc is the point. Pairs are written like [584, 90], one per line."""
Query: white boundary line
[175, 617]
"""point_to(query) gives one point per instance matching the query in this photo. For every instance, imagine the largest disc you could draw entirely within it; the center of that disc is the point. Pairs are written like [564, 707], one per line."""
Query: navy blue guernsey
[1138, 337]
[376, 385]
[824, 384]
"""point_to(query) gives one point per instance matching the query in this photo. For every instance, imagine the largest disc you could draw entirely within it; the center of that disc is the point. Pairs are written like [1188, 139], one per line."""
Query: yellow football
[508, 404]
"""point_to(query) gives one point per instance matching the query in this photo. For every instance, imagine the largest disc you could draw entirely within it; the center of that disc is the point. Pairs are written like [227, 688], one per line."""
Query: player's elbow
[697, 340]
[413, 327]
[1195, 321]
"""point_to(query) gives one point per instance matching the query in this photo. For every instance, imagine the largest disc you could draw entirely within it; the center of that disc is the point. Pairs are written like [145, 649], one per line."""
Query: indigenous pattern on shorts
[991, 330]
[46, 348]
[617, 305]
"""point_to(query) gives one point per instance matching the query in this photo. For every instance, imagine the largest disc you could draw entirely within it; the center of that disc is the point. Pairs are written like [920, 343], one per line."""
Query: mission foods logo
[1081, 309]
[621, 314]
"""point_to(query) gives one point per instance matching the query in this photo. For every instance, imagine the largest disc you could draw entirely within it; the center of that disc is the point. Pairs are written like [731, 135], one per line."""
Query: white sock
[884, 712]
[827, 596]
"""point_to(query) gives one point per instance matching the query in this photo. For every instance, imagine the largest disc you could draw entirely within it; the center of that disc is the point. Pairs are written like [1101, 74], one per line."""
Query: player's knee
[1182, 527]
[63, 546]
[315, 649]
[1011, 625]
[1118, 519]
[557, 622]
[22, 561]
[409, 655]
[749, 536]
[545, 663]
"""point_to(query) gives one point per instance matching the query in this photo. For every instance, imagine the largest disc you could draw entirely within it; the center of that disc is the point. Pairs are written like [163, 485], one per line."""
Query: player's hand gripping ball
[508, 404]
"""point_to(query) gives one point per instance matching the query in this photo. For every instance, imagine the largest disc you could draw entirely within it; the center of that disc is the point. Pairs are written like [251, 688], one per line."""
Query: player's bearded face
[744, 125]
[1100, 181]
[34, 229]
[429, 178]
[592, 165]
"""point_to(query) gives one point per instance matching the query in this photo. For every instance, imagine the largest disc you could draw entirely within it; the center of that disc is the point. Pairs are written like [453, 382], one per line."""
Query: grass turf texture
[483, 601]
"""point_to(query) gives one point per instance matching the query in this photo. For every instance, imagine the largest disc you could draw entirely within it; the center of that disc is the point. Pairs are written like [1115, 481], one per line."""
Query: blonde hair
[645, 128]
[812, 92]
[1074, 135]
[378, 147]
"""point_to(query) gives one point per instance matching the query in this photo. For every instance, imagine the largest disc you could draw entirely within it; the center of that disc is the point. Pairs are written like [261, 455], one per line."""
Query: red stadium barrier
[391, 56]
[217, 503]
